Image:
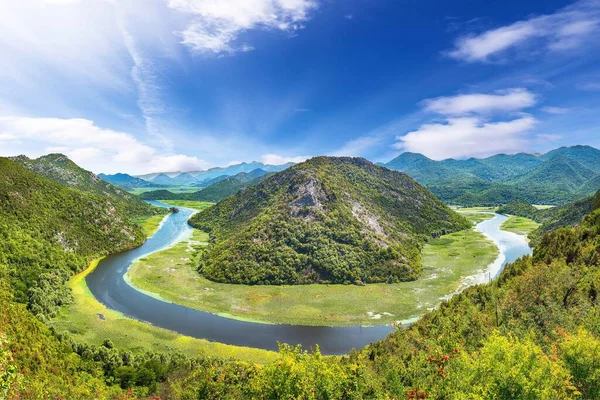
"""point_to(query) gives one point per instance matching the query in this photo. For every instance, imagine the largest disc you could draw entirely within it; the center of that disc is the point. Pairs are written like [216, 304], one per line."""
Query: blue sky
[152, 85]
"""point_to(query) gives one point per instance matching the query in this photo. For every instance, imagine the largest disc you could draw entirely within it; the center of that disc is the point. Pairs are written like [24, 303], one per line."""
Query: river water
[108, 285]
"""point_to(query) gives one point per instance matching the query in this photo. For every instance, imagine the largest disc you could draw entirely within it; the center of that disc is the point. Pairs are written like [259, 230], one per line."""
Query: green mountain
[218, 191]
[558, 177]
[558, 173]
[50, 231]
[587, 156]
[127, 182]
[61, 169]
[325, 220]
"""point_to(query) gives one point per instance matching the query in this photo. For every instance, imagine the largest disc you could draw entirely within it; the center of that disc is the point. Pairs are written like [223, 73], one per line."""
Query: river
[108, 285]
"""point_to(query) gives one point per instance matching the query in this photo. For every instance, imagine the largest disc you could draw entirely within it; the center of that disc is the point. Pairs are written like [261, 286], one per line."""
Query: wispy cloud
[217, 24]
[90, 145]
[555, 110]
[590, 86]
[477, 103]
[568, 28]
[276, 159]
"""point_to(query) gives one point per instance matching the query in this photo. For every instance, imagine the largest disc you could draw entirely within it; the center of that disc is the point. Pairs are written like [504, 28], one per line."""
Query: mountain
[327, 219]
[557, 177]
[510, 166]
[216, 192]
[423, 169]
[587, 156]
[219, 171]
[49, 226]
[183, 179]
[210, 182]
[163, 180]
[559, 173]
[127, 182]
[61, 169]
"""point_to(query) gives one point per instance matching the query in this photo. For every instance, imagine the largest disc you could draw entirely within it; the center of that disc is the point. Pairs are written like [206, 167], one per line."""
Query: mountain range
[196, 178]
[217, 189]
[557, 177]
[327, 219]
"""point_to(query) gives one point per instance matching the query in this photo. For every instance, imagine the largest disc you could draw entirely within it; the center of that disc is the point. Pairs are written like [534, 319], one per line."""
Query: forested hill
[557, 177]
[60, 168]
[325, 220]
[49, 231]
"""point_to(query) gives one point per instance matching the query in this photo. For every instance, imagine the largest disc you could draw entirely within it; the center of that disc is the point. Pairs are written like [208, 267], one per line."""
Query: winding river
[108, 285]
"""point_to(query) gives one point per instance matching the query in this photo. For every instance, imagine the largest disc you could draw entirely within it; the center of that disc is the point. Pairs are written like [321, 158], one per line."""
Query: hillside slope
[48, 231]
[127, 182]
[325, 220]
[61, 169]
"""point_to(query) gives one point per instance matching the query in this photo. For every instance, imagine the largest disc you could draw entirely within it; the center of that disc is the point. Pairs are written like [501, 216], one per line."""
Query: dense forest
[337, 220]
[557, 177]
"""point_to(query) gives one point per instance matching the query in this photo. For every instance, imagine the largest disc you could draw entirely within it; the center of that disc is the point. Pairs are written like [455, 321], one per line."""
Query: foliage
[49, 231]
[59, 168]
[338, 220]
[558, 177]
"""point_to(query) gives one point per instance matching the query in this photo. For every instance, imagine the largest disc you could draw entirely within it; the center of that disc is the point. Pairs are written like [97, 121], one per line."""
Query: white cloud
[93, 147]
[217, 24]
[466, 137]
[566, 29]
[555, 110]
[590, 86]
[275, 159]
[502, 101]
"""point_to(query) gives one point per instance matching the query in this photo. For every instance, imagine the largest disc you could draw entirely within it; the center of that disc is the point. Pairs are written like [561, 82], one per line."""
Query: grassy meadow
[90, 321]
[519, 225]
[446, 261]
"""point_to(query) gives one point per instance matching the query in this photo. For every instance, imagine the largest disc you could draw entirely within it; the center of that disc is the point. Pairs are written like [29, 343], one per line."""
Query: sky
[143, 86]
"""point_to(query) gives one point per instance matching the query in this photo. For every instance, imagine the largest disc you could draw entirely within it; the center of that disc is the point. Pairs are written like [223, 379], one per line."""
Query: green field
[150, 224]
[446, 261]
[519, 225]
[89, 321]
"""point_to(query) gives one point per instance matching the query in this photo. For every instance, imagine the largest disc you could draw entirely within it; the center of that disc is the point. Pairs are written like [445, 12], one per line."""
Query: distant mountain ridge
[217, 188]
[126, 181]
[212, 173]
[557, 177]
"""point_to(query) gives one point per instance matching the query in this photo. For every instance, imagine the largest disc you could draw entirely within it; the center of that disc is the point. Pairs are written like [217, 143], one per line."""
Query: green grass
[519, 225]
[150, 224]
[542, 207]
[446, 261]
[90, 321]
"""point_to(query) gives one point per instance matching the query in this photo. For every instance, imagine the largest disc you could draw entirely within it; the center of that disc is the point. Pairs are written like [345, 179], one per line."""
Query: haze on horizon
[182, 85]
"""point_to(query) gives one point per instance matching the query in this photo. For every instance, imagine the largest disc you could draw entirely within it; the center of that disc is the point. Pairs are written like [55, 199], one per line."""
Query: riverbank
[446, 262]
[90, 321]
[519, 225]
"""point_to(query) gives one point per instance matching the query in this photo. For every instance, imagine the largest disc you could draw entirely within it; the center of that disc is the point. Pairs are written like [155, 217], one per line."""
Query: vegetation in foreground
[326, 220]
[446, 262]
